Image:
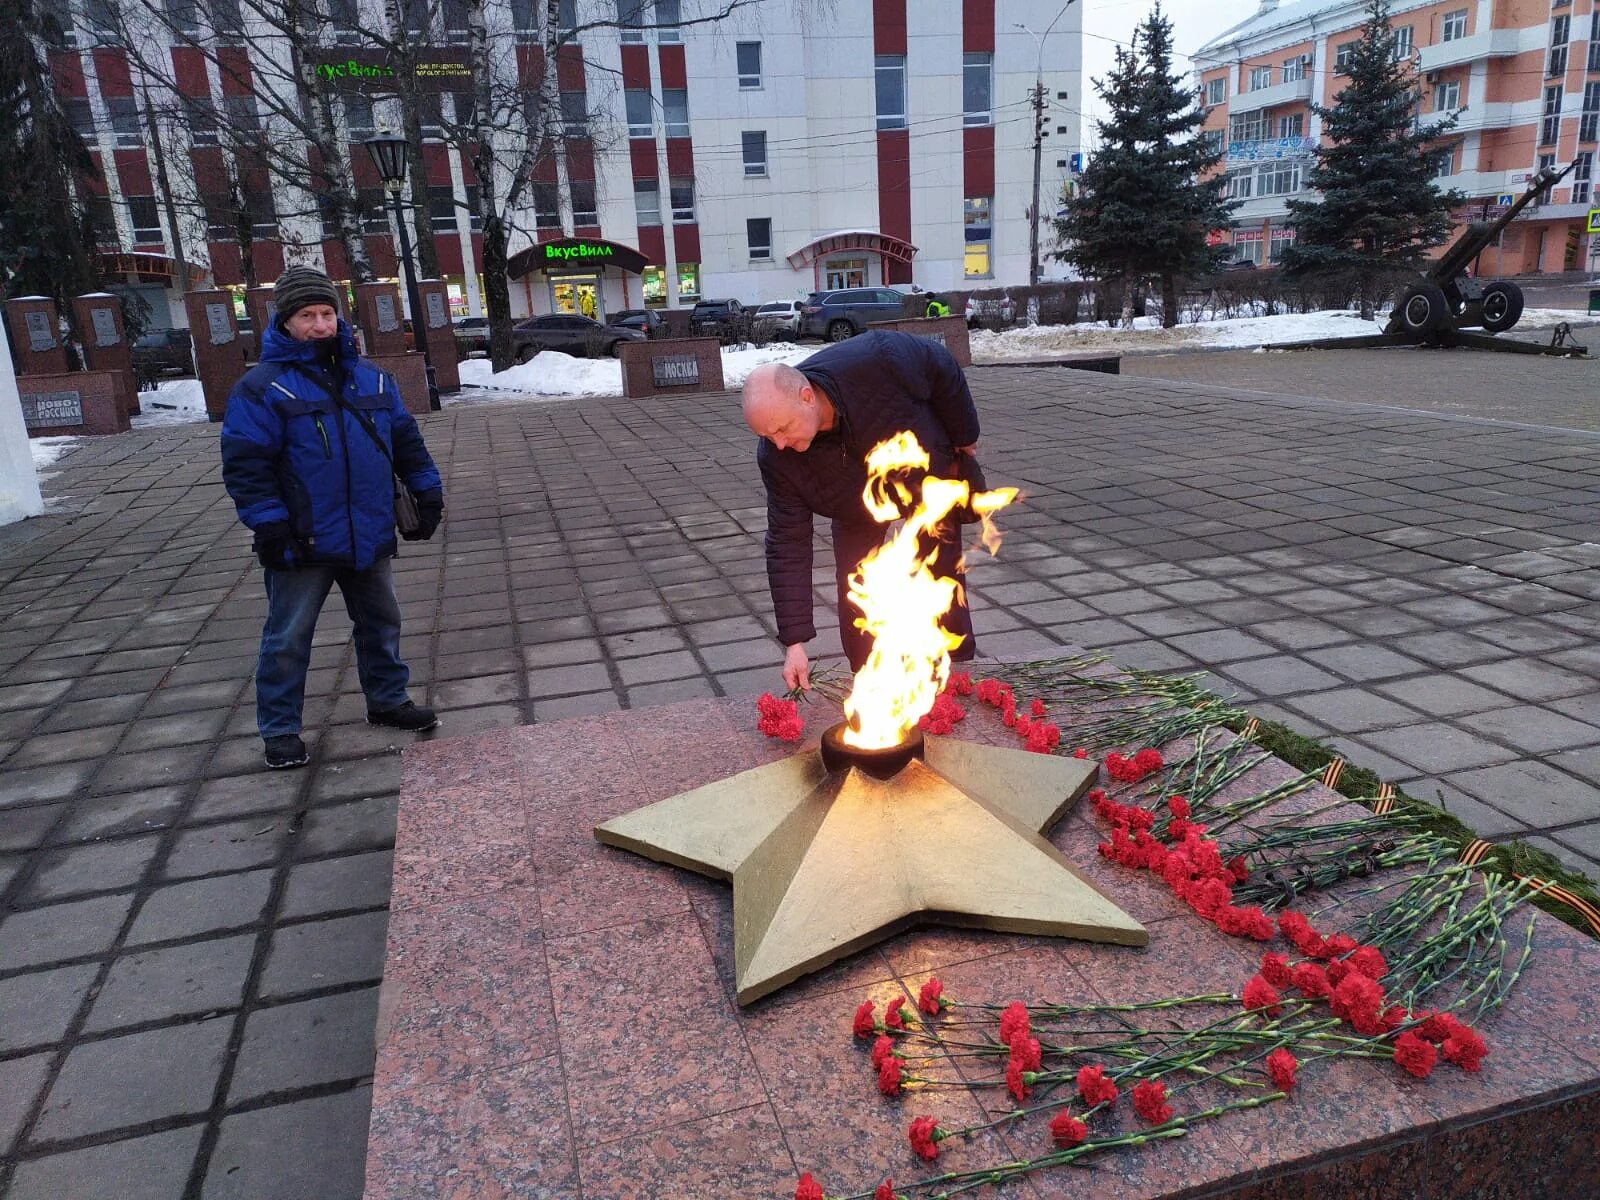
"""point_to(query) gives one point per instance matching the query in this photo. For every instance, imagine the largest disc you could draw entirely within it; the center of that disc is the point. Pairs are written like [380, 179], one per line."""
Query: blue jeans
[294, 598]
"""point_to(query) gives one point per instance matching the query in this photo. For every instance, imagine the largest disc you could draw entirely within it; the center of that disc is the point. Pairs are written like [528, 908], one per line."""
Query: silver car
[782, 315]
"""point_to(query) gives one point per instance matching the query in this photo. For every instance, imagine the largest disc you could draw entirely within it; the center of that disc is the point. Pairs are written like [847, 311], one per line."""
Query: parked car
[726, 320]
[162, 352]
[1241, 264]
[570, 334]
[783, 315]
[841, 314]
[472, 336]
[645, 320]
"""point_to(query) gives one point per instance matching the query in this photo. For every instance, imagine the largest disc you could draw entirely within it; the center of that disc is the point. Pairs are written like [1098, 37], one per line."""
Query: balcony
[1490, 43]
[1241, 154]
[1297, 91]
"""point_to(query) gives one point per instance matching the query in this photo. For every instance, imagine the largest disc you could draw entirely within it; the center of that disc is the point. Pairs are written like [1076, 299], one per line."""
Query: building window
[455, 20]
[747, 59]
[81, 117]
[1342, 56]
[1278, 179]
[977, 87]
[183, 16]
[525, 17]
[1247, 245]
[754, 144]
[105, 27]
[345, 17]
[415, 17]
[1214, 144]
[1402, 43]
[227, 22]
[243, 118]
[1560, 35]
[575, 114]
[101, 220]
[584, 209]
[630, 19]
[124, 113]
[547, 205]
[358, 116]
[263, 212]
[680, 192]
[689, 281]
[430, 111]
[641, 117]
[1455, 25]
[474, 212]
[442, 209]
[654, 282]
[1292, 127]
[1589, 126]
[1550, 125]
[1582, 176]
[978, 221]
[1294, 69]
[1260, 77]
[1216, 90]
[222, 220]
[758, 232]
[1247, 127]
[675, 111]
[889, 78]
[200, 113]
[1547, 162]
[1444, 163]
[369, 204]
[668, 14]
[566, 17]
[1282, 239]
[144, 218]
[1594, 41]
[1447, 96]
[1240, 184]
[647, 201]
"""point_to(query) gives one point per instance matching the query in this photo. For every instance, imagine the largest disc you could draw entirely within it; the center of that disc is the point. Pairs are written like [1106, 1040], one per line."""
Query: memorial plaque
[388, 318]
[932, 337]
[105, 326]
[437, 318]
[40, 336]
[49, 409]
[675, 370]
[217, 320]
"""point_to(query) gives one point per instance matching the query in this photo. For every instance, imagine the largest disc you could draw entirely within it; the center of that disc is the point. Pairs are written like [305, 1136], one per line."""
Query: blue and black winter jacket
[291, 454]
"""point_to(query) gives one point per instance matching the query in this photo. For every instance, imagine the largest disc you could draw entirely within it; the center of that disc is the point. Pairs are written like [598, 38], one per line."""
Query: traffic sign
[1506, 199]
[1594, 220]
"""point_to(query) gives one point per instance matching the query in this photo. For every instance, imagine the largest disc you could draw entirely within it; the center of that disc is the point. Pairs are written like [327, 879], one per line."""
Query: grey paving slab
[320, 954]
[153, 1167]
[173, 981]
[1354, 710]
[230, 846]
[348, 827]
[55, 932]
[1445, 695]
[307, 1043]
[36, 1008]
[201, 906]
[1540, 794]
[347, 881]
[95, 867]
[21, 1081]
[329, 1135]
[1530, 679]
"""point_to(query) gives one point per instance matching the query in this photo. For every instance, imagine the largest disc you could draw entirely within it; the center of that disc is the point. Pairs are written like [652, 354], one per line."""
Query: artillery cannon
[1447, 300]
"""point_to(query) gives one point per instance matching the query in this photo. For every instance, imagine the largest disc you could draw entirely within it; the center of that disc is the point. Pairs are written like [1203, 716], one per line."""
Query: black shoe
[408, 717]
[286, 751]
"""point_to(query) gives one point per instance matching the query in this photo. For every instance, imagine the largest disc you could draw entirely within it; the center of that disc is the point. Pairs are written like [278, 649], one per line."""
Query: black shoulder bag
[407, 516]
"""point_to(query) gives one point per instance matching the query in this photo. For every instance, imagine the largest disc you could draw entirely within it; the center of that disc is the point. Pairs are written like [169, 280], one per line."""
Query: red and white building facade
[787, 149]
[1524, 76]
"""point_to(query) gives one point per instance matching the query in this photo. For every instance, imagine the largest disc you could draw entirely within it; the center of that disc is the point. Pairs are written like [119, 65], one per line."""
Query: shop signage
[105, 326]
[675, 370]
[40, 335]
[47, 409]
[369, 69]
[574, 251]
[1267, 149]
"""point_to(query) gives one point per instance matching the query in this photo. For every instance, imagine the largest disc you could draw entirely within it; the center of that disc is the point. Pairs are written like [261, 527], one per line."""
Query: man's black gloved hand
[430, 508]
[276, 548]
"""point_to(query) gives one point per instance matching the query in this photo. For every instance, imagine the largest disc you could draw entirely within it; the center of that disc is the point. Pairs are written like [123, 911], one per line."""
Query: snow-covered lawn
[174, 402]
[1043, 341]
[553, 374]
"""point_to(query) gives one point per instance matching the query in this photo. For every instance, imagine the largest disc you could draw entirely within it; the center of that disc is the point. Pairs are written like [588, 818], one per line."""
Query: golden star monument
[827, 858]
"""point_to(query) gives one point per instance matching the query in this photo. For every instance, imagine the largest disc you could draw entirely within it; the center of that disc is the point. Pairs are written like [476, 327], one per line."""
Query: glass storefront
[844, 273]
[689, 281]
[654, 282]
[578, 294]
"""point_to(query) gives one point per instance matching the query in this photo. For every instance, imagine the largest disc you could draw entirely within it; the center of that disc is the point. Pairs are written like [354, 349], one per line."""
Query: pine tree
[1379, 210]
[1142, 208]
[46, 246]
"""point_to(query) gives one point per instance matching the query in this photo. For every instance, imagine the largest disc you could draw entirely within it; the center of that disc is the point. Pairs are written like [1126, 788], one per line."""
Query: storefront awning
[854, 239]
[150, 267]
[574, 254]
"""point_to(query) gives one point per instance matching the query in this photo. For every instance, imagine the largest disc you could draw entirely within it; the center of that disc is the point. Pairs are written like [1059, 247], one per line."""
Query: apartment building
[1523, 75]
[789, 148]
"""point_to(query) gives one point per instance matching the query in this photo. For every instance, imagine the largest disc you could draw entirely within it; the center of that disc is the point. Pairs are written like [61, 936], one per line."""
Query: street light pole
[389, 153]
[1038, 155]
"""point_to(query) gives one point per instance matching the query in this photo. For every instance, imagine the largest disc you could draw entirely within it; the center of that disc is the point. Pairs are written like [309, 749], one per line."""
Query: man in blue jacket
[817, 423]
[311, 442]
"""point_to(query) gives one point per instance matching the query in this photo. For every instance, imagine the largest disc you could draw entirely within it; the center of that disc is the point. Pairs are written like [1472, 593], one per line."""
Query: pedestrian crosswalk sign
[1594, 220]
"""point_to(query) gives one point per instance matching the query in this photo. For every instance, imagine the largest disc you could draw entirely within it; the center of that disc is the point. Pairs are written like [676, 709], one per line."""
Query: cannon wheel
[1422, 309]
[1502, 306]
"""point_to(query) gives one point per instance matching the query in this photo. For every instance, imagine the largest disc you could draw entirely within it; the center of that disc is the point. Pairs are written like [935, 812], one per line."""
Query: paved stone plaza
[190, 948]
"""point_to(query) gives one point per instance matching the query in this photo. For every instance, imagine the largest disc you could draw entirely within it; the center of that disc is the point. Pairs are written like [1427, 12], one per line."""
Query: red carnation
[1281, 1066]
[1080, 752]
[1340, 944]
[1016, 1084]
[808, 1188]
[1359, 1001]
[1150, 1101]
[1415, 1055]
[1338, 971]
[865, 1024]
[1259, 995]
[1275, 970]
[1037, 708]
[1179, 805]
[1369, 961]
[1067, 1131]
[1436, 1027]
[1310, 980]
[884, 1191]
[881, 1049]
[1094, 1087]
[960, 683]
[791, 729]
[890, 1077]
[896, 1014]
[925, 1137]
[1026, 1051]
[1013, 1020]
[1465, 1048]
[930, 998]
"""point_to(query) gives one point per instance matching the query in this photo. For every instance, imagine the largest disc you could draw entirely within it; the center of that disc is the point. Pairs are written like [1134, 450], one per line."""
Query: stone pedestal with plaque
[671, 365]
[72, 403]
[441, 335]
[379, 314]
[949, 332]
[105, 343]
[36, 335]
[219, 351]
[258, 303]
[410, 374]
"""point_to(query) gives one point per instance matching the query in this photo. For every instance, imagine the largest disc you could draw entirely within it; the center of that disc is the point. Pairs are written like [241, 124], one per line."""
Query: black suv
[162, 352]
[725, 320]
[845, 313]
[643, 320]
[570, 334]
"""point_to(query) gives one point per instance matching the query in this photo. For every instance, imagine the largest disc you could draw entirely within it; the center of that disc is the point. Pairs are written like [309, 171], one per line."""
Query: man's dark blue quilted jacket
[290, 454]
[880, 384]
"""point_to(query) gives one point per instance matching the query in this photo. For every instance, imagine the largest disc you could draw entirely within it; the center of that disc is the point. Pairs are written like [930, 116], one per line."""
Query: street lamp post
[1038, 153]
[389, 154]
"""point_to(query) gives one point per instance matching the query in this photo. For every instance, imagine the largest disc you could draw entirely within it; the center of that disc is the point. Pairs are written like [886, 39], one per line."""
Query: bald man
[817, 424]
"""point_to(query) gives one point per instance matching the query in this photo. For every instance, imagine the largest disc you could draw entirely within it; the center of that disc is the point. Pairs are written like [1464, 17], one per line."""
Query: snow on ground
[174, 402]
[47, 451]
[553, 374]
[1044, 341]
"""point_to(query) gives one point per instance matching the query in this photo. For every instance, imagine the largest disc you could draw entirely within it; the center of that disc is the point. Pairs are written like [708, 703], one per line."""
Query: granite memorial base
[949, 332]
[558, 1018]
[441, 335]
[378, 312]
[670, 366]
[36, 335]
[105, 344]
[220, 354]
[73, 403]
[410, 374]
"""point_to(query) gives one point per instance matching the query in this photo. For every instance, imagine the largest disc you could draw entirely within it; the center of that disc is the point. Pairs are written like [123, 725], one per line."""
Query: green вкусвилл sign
[572, 250]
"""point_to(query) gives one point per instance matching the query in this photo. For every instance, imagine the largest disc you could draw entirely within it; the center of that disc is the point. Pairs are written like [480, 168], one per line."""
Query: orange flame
[902, 602]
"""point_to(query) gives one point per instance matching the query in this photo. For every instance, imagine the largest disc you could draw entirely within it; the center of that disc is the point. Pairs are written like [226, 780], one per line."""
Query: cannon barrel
[1478, 236]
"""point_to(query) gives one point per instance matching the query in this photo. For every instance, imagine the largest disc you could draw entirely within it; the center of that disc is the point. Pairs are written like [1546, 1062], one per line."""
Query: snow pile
[551, 373]
[47, 451]
[174, 402]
